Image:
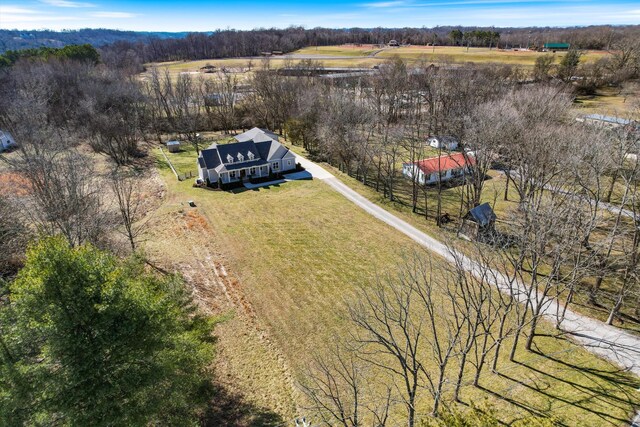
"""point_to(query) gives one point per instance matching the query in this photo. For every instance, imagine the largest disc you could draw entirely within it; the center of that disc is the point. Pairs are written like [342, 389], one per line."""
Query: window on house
[252, 171]
[240, 157]
[275, 166]
[229, 158]
[250, 155]
[288, 162]
[232, 174]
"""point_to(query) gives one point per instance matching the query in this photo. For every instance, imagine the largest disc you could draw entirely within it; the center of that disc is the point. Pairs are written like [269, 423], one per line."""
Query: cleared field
[300, 249]
[477, 54]
[340, 50]
[611, 101]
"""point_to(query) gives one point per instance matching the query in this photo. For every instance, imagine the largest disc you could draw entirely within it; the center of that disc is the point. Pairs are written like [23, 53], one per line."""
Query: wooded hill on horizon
[225, 43]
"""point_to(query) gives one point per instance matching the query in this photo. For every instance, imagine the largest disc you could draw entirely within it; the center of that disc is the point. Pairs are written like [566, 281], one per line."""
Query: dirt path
[256, 384]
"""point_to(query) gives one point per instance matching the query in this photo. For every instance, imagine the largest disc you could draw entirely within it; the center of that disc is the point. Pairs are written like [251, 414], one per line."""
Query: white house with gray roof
[255, 154]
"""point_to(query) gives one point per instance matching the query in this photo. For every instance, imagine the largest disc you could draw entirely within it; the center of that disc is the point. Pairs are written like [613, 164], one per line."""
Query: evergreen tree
[86, 339]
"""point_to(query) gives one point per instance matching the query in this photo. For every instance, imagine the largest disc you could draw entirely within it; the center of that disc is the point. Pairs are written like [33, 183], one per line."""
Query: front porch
[245, 174]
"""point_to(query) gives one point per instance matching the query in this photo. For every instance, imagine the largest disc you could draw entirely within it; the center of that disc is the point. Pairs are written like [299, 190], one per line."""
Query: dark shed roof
[483, 214]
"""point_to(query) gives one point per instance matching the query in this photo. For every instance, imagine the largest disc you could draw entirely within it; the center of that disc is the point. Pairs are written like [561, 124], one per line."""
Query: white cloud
[13, 18]
[6, 9]
[67, 3]
[113, 15]
[384, 4]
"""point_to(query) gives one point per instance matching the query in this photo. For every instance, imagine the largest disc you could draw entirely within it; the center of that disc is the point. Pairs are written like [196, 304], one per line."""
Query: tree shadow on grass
[594, 393]
[229, 409]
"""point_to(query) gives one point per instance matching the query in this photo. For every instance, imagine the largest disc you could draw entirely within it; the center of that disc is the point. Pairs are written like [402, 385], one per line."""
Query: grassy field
[606, 101]
[298, 250]
[493, 193]
[611, 102]
[341, 50]
[477, 54]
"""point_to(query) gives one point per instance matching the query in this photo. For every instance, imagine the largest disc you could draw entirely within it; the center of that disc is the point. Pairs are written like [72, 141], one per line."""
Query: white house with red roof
[441, 168]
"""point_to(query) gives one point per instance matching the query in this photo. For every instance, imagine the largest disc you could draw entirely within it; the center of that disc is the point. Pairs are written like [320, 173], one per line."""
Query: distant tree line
[233, 43]
[21, 39]
[84, 52]
[139, 47]
[475, 37]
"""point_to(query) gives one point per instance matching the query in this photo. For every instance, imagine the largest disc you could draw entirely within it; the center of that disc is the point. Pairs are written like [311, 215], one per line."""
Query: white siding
[213, 175]
[288, 164]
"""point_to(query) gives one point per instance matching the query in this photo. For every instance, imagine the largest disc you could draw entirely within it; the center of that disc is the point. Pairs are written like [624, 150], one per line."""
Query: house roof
[482, 214]
[445, 163]
[444, 139]
[236, 148]
[243, 165]
[261, 143]
[210, 158]
[557, 45]
[256, 135]
[271, 150]
[173, 143]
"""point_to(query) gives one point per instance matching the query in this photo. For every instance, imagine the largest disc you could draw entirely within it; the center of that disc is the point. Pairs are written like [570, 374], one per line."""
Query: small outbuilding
[394, 43]
[556, 46]
[173, 146]
[444, 142]
[479, 223]
[6, 141]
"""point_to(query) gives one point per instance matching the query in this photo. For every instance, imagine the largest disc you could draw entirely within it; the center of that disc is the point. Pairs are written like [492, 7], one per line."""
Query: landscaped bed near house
[299, 250]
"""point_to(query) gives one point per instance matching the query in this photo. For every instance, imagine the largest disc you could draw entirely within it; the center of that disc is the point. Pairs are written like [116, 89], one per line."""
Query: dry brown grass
[14, 184]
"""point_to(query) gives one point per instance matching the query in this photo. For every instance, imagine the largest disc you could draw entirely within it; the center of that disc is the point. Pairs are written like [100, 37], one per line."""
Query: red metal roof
[450, 162]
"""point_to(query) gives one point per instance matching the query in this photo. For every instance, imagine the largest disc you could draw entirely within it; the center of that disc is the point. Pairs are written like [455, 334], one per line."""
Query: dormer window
[229, 158]
[250, 155]
[240, 157]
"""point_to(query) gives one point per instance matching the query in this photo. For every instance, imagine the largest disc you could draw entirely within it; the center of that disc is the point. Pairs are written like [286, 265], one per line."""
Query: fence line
[169, 163]
[187, 175]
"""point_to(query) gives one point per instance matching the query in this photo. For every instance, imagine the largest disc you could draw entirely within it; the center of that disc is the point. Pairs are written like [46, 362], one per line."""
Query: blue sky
[202, 15]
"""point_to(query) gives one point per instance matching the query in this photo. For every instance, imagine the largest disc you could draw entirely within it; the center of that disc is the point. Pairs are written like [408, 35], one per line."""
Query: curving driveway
[609, 342]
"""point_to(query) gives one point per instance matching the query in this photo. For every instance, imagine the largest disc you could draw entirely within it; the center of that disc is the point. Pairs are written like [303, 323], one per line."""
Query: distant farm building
[443, 142]
[556, 46]
[208, 68]
[394, 43]
[605, 121]
[256, 154]
[479, 223]
[6, 141]
[173, 146]
[442, 168]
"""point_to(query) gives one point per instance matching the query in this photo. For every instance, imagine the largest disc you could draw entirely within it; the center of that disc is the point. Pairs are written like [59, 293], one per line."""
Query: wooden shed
[479, 223]
[173, 146]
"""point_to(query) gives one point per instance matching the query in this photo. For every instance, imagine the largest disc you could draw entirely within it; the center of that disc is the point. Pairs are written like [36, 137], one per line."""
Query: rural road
[609, 342]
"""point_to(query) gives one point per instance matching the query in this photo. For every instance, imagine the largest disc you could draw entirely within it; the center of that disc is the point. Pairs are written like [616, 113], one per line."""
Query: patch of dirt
[248, 363]
[14, 184]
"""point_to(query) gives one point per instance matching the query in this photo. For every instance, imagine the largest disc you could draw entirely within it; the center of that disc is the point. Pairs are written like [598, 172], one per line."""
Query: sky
[203, 15]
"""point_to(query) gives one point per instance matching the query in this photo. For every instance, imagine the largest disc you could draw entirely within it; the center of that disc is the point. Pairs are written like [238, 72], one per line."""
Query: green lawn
[300, 249]
[341, 50]
[184, 160]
